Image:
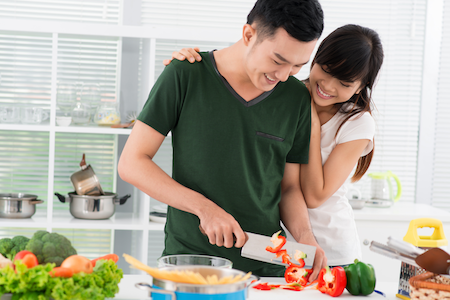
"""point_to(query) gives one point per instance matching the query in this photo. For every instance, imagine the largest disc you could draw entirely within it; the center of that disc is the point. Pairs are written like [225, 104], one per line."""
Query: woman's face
[327, 90]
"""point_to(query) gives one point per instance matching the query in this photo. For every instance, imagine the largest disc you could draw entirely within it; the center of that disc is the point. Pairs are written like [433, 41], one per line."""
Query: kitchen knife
[255, 248]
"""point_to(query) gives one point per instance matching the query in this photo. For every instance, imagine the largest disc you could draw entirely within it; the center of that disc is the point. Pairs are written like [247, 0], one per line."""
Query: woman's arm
[190, 53]
[319, 182]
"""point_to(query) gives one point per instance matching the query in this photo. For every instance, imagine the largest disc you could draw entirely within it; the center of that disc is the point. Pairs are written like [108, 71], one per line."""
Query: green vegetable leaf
[36, 283]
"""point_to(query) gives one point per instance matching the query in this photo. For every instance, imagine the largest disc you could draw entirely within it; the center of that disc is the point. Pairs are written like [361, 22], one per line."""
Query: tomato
[21, 254]
[30, 260]
[27, 258]
[77, 264]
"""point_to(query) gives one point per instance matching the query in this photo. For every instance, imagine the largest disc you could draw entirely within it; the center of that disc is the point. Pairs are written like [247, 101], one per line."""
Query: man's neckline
[252, 102]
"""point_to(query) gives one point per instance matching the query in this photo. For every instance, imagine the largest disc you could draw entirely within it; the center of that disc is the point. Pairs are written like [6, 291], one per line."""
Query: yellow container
[437, 239]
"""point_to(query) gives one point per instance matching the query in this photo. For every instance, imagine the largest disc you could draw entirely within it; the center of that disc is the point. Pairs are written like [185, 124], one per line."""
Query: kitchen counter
[372, 224]
[402, 211]
[129, 292]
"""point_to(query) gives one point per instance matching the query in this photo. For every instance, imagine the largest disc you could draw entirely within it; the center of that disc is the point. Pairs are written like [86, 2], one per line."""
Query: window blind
[92, 11]
[228, 14]
[441, 166]
[24, 164]
[87, 61]
[25, 68]
[155, 247]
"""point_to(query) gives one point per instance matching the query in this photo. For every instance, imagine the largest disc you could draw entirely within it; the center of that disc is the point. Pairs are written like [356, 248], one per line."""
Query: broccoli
[50, 247]
[10, 247]
[6, 245]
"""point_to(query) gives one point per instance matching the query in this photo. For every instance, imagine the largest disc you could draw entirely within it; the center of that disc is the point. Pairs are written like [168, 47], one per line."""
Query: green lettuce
[37, 284]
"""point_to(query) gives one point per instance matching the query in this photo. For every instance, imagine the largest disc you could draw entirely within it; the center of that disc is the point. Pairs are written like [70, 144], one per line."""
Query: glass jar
[90, 93]
[107, 114]
[81, 113]
[66, 97]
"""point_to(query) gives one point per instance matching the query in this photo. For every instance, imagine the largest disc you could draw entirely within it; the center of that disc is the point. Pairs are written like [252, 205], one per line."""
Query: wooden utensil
[435, 260]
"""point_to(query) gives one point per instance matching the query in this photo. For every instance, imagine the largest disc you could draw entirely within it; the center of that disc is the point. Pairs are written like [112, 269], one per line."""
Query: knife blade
[255, 248]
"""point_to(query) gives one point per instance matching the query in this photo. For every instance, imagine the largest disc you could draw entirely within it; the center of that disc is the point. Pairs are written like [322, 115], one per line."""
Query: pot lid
[17, 196]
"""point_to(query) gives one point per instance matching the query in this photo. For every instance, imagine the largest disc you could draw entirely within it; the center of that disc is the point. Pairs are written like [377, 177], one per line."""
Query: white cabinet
[377, 224]
[128, 229]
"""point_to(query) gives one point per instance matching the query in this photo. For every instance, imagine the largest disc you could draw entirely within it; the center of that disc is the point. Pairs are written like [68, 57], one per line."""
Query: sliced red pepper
[266, 286]
[262, 286]
[300, 257]
[278, 242]
[332, 282]
[285, 258]
[298, 275]
[293, 287]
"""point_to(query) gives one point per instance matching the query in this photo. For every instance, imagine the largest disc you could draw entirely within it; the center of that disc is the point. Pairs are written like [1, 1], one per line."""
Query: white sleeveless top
[333, 222]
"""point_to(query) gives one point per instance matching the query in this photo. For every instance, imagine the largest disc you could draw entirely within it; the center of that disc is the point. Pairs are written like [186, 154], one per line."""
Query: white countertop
[401, 211]
[128, 291]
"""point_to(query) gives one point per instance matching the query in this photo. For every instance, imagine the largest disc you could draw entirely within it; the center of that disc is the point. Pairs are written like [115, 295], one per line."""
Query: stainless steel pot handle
[150, 289]
[61, 197]
[122, 200]
[37, 201]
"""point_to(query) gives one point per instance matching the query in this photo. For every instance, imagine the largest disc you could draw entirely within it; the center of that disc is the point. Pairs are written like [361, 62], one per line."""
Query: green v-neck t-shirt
[230, 150]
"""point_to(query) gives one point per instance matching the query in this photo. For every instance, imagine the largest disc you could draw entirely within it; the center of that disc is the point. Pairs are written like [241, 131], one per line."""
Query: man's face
[274, 59]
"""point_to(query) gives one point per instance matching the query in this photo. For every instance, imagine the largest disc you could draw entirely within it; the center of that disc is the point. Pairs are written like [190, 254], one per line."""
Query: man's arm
[136, 166]
[294, 215]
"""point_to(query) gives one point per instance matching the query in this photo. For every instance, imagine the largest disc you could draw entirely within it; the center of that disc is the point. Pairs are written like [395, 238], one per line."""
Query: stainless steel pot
[18, 205]
[93, 207]
[85, 182]
[160, 289]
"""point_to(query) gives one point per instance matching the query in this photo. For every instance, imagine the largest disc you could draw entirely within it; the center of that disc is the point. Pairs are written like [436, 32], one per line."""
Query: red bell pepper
[332, 282]
[298, 275]
[278, 242]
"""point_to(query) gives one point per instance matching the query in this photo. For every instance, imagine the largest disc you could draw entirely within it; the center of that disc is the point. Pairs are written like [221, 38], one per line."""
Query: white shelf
[72, 128]
[124, 221]
[63, 219]
[401, 211]
[39, 220]
[93, 129]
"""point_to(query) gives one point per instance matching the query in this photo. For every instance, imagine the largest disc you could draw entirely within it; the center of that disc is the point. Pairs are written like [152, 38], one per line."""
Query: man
[240, 128]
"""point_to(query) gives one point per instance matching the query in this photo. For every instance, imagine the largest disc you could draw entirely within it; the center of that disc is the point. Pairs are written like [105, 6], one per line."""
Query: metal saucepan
[93, 207]
[18, 205]
[184, 291]
[85, 181]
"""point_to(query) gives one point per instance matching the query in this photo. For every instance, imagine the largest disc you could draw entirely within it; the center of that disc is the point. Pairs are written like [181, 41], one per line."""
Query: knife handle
[234, 238]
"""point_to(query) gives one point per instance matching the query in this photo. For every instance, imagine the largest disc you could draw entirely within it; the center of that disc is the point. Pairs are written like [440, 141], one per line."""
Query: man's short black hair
[302, 19]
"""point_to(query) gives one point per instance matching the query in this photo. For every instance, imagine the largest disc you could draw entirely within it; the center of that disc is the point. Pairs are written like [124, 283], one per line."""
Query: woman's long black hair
[352, 53]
